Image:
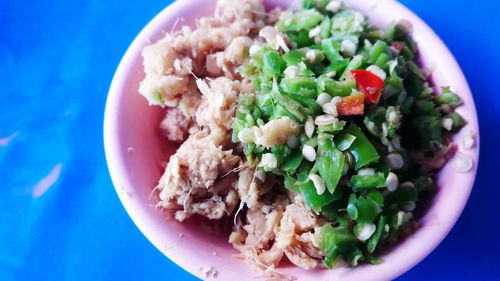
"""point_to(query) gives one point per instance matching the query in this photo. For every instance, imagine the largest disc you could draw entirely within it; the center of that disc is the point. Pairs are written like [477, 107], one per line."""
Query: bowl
[135, 151]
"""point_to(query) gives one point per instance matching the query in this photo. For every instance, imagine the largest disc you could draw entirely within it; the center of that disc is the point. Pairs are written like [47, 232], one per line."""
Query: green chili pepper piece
[332, 128]
[448, 97]
[237, 126]
[344, 23]
[292, 106]
[330, 162]
[308, 103]
[382, 61]
[293, 161]
[336, 88]
[361, 149]
[281, 152]
[278, 111]
[294, 85]
[363, 209]
[273, 64]
[325, 28]
[403, 194]
[290, 184]
[308, 4]
[458, 121]
[371, 245]
[376, 50]
[330, 237]
[335, 242]
[344, 141]
[157, 99]
[353, 256]
[293, 57]
[331, 48]
[413, 67]
[300, 38]
[355, 63]
[329, 212]
[367, 182]
[301, 20]
[311, 197]
[376, 196]
[338, 68]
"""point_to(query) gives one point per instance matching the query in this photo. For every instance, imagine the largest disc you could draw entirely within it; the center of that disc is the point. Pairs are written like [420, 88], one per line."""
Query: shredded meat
[192, 74]
[187, 185]
[296, 234]
[198, 178]
[248, 187]
[286, 227]
[221, 43]
[218, 103]
[175, 125]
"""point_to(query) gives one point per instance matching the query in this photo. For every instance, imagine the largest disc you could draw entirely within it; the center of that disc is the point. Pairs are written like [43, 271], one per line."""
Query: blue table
[60, 218]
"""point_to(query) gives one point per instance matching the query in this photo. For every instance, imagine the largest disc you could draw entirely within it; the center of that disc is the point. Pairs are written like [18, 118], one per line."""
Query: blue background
[57, 59]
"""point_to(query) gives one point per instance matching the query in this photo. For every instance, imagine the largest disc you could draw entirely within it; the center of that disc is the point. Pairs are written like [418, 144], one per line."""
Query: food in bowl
[314, 131]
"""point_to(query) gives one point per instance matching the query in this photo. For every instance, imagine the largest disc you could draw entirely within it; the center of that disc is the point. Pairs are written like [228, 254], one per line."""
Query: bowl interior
[135, 153]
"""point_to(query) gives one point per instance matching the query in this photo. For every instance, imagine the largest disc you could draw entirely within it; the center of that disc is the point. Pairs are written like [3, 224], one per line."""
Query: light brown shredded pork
[193, 183]
[192, 74]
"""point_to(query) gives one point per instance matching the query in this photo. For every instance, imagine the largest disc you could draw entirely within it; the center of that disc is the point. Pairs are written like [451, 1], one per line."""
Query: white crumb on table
[122, 191]
[462, 163]
[130, 149]
[181, 235]
[208, 271]
[282, 277]
[468, 140]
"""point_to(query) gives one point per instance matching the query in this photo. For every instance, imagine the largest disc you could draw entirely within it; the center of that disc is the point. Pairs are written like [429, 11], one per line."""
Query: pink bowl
[130, 123]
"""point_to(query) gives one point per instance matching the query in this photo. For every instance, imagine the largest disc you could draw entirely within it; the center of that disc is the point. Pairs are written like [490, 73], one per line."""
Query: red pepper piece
[397, 45]
[351, 105]
[369, 84]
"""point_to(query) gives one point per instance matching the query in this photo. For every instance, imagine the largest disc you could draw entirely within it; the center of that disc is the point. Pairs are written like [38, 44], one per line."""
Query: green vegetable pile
[361, 170]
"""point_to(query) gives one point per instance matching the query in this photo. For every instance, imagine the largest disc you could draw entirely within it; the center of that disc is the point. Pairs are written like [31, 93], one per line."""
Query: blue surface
[57, 59]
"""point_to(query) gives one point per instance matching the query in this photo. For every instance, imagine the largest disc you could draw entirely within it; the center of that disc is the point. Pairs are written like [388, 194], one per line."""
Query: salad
[316, 134]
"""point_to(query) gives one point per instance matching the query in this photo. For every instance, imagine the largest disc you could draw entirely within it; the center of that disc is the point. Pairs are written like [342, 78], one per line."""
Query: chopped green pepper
[363, 209]
[367, 182]
[448, 97]
[311, 197]
[294, 85]
[273, 64]
[335, 242]
[290, 184]
[372, 243]
[405, 117]
[301, 20]
[355, 63]
[336, 88]
[325, 28]
[293, 161]
[332, 50]
[361, 149]
[330, 162]
[344, 141]
[293, 57]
